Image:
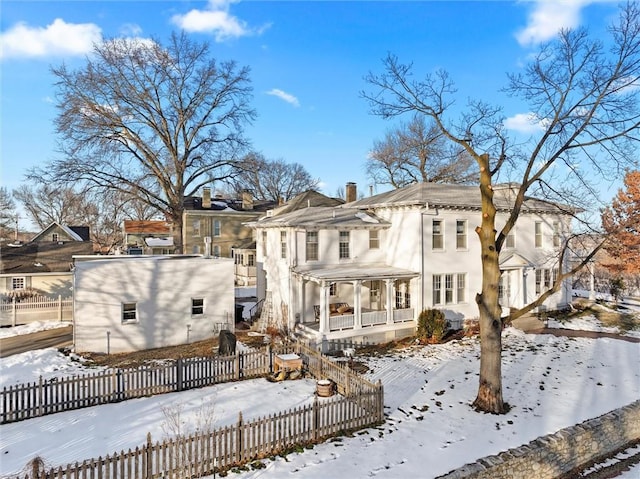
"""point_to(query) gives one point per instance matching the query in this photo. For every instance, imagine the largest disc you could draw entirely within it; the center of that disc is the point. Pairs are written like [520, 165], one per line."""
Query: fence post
[315, 419]
[237, 365]
[59, 307]
[40, 398]
[14, 312]
[239, 445]
[149, 457]
[179, 374]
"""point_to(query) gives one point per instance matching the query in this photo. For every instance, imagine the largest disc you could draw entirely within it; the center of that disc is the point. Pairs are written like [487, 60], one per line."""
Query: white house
[129, 303]
[364, 271]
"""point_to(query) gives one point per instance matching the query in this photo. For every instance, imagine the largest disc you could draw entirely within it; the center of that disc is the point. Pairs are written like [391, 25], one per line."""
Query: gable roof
[324, 217]
[147, 227]
[68, 231]
[305, 200]
[448, 196]
[41, 257]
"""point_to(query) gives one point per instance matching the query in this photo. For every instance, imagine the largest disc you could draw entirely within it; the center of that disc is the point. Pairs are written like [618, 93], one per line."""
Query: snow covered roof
[324, 217]
[353, 271]
[159, 242]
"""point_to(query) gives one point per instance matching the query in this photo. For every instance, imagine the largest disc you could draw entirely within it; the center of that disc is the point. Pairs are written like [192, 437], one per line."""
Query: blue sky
[308, 61]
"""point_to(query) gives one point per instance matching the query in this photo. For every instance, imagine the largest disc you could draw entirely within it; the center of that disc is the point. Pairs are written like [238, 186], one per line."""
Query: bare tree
[584, 102]
[417, 152]
[155, 121]
[273, 180]
[8, 213]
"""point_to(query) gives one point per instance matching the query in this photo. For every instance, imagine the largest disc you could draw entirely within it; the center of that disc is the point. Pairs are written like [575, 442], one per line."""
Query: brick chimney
[247, 200]
[352, 192]
[206, 197]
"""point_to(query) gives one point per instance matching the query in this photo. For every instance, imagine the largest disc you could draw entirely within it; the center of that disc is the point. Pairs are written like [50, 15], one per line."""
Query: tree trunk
[175, 218]
[489, 397]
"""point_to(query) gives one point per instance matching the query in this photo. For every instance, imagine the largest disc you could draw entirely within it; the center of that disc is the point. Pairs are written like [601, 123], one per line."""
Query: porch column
[391, 299]
[302, 300]
[357, 304]
[324, 307]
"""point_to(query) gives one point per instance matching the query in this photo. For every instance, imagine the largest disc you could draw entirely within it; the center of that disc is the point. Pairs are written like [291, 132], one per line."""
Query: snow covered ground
[550, 383]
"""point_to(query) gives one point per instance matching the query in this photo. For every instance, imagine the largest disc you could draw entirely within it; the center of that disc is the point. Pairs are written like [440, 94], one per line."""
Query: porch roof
[353, 272]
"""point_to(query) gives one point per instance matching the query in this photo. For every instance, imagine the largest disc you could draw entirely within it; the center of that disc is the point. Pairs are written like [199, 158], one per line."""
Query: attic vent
[269, 213]
[60, 242]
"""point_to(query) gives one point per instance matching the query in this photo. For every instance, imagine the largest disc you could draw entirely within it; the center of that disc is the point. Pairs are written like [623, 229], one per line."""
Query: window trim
[439, 235]
[125, 308]
[344, 249]
[197, 307]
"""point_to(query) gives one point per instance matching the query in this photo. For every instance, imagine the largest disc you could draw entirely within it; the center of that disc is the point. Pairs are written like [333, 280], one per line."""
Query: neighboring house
[43, 266]
[148, 237]
[364, 271]
[131, 303]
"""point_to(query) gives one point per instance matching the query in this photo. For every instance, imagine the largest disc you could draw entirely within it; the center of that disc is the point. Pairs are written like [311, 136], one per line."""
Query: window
[283, 244]
[264, 243]
[197, 306]
[556, 234]
[251, 261]
[511, 239]
[216, 251]
[450, 288]
[403, 298]
[333, 289]
[504, 287]
[312, 246]
[344, 245]
[462, 288]
[374, 239]
[55, 237]
[196, 227]
[18, 282]
[437, 236]
[437, 289]
[461, 234]
[538, 234]
[129, 313]
[544, 279]
[196, 249]
[216, 227]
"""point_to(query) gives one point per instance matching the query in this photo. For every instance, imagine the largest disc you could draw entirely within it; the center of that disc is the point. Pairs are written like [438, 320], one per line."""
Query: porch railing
[400, 315]
[373, 318]
[343, 321]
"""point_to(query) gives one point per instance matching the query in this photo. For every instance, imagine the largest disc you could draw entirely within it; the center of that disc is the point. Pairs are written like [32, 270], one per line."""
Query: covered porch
[355, 300]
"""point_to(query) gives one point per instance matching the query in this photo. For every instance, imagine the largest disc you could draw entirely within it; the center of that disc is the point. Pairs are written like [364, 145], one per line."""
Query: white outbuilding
[132, 303]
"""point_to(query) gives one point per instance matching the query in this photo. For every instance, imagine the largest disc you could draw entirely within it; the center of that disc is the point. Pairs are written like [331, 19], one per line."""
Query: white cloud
[57, 39]
[283, 95]
[548, 17]
[524, 123]
[216, 19]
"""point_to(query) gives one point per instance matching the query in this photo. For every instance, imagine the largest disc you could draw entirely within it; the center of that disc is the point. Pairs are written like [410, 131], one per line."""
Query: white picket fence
[37, 308]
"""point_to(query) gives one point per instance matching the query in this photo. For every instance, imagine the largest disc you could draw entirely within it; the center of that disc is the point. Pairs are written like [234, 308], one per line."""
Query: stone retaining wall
[549, 457]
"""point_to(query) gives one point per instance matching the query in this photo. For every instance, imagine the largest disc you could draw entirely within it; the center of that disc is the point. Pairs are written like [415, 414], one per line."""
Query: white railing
[342, 321]
[374, 317]
[37, 308]
[400, 315]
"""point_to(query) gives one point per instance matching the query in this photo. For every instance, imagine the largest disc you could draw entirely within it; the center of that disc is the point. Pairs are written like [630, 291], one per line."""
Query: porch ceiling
[353, 272]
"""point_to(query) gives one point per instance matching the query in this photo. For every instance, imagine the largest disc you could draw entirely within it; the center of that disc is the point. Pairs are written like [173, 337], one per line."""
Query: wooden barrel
[324, 388]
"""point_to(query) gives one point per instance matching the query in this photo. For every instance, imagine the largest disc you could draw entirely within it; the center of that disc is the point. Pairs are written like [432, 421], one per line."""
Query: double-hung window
[344, 245]
[511, 239]
[196, 227]
[449, 288]
[538, 234]
[461, 234]
[283, 244]
[129, 313]
[217, 228]
[437, 289]
[437, 234]
[374, 239]
[197, 306]
[556, 234]
[312, 246]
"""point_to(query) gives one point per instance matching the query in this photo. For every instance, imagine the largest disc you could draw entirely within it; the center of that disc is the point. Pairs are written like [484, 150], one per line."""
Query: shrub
[432, 325]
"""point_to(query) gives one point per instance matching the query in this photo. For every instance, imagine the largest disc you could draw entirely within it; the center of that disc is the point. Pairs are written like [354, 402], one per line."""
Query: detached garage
[131, 303]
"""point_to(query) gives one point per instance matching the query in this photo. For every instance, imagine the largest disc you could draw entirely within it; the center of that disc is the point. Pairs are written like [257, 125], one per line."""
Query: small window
[197, 306]
[312, 246]
[18, 282]
[344, 245]
[511, 239]
[251, 260]
[283, 244]
[538, 234]
[216, 228]
[333, 290]
[374, 239]
[437, 235]
[129, 313]
[461, 234]
[55, 237]
[556, 234]
[196, 227]
[216, 251]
